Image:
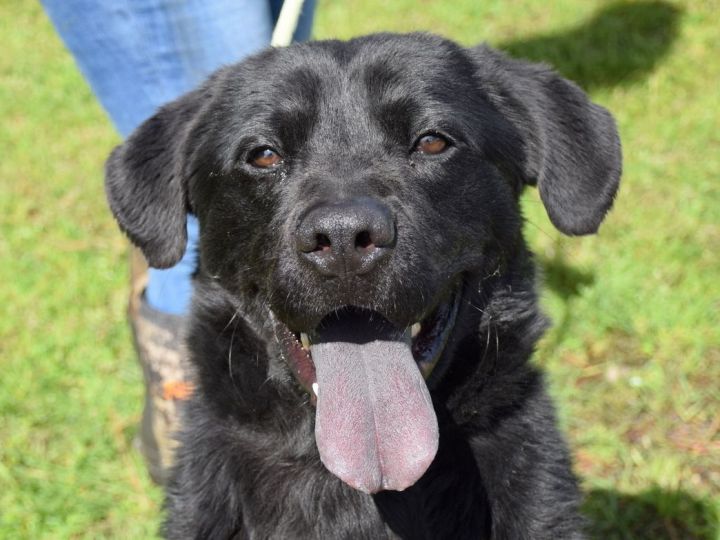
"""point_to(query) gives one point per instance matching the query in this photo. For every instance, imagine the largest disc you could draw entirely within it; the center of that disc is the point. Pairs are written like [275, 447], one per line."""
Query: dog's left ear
[569, 147]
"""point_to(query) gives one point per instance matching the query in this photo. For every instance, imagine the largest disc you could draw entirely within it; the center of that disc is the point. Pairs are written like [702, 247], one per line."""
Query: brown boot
[159, 342]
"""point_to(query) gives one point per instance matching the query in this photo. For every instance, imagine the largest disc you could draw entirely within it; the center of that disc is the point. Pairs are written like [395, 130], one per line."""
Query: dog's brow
[298, 89]
[383, 83]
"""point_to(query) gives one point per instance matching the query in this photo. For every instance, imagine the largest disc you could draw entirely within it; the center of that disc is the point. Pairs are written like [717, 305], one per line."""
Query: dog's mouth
[375, 426]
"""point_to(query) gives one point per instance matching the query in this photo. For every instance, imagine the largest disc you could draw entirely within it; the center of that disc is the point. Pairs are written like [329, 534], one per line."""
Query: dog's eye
[264, 158]
[431, 143]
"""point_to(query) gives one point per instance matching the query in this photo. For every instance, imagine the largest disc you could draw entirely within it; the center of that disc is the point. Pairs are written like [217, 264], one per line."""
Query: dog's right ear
[145, 186]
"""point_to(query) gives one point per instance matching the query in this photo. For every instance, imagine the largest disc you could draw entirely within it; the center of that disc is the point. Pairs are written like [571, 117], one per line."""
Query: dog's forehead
[383, 68]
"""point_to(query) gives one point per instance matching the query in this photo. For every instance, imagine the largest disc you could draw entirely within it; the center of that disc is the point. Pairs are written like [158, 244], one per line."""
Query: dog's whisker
[265, 381]
[232, 319]
[473, 306]
[487, 339]
[492, 274]
[230, 351]
[540, 229]
[497, 342]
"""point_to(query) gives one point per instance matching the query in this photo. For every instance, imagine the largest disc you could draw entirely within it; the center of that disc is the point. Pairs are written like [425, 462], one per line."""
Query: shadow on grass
[654, 514]
[562, 278]
[620, 44]
[565, 280]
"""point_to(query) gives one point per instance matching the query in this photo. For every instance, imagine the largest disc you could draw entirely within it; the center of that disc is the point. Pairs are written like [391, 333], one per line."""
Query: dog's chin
[375, 425]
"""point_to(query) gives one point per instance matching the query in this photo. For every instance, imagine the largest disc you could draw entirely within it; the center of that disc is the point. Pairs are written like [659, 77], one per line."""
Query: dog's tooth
[415, 329]
[305, 340]
[315, 388]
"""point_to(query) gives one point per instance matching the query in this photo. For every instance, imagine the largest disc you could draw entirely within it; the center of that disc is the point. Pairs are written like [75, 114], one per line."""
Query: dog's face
[351, 189]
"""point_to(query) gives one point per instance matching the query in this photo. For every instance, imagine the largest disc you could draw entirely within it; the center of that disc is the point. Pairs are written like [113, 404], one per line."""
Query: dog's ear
[145, 184]
[570, 147]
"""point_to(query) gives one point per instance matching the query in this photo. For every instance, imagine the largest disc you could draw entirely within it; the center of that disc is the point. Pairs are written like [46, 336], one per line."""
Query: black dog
[365, 307]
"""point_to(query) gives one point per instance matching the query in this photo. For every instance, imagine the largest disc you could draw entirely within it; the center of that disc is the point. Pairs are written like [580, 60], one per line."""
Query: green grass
[633, 358]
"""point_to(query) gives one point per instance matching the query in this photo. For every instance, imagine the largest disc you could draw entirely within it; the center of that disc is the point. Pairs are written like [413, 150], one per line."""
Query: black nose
[346, 237]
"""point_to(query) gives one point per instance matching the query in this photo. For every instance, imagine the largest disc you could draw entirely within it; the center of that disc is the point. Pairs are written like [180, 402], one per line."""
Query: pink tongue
[375, 426]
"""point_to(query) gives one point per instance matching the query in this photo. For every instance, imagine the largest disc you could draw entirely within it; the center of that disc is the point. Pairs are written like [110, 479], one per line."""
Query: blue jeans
[140, 54]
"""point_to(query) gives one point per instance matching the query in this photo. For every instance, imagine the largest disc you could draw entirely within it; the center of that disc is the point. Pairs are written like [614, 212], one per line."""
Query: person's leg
[138, 55]
[170, 290]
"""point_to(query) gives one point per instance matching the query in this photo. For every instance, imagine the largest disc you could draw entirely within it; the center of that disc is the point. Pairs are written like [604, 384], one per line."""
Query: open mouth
[375, 425]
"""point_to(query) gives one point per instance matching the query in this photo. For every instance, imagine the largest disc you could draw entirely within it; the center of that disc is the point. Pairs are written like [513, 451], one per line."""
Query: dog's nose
[348, 237]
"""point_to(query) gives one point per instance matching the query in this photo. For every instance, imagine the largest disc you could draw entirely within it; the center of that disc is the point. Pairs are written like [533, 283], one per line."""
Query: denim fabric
[139, 54]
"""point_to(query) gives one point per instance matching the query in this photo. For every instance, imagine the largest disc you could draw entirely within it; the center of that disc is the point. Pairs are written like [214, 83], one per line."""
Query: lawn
[633, 359]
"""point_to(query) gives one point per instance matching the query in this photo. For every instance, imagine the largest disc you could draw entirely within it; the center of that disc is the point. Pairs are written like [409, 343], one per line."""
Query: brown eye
[264, 158]
[431, 143]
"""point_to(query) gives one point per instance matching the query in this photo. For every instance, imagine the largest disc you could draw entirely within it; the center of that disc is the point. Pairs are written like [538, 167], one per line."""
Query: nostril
[322, 243]
[363, 240]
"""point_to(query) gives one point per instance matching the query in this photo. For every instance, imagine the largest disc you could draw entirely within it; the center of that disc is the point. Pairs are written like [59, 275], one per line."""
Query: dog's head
[353, 188]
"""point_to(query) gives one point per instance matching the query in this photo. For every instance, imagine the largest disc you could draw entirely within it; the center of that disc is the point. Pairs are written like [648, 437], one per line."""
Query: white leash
[287, 23]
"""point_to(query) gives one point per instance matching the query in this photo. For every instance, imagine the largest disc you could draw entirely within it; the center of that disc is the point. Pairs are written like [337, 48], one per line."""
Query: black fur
[345, 117]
